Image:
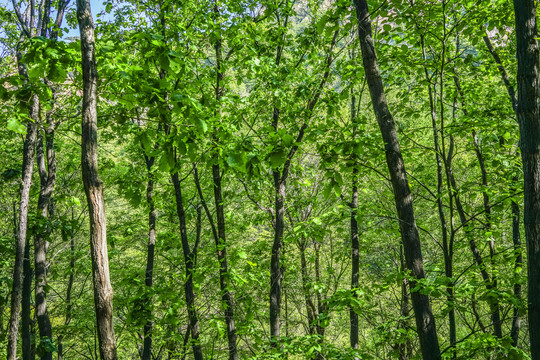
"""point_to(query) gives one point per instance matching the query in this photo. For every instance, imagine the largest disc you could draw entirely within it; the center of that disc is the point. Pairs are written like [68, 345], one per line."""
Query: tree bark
[69, 305]
[103, 292]
[355, 258]
[425, 321]
[516, 239]
[150, 250]
[47, 175]
[221, 246]
[26, 307]
[189, 257]
[528, 112]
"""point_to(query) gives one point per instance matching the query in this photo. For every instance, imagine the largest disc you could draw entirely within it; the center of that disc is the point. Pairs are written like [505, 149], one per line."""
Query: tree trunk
[47, 175]
[425, 321]
[147, 346]
[516, 239]
[103, 292]
[189, 257]
[26, 307]
[355, 257]
[528, 111]
[275, 267]
[221, 246]
[69, 288]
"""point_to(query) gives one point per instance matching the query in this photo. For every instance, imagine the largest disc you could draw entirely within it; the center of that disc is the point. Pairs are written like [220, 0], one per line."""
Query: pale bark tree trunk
[528, 112]
[27, 169]
[425, 322]
[103, 292]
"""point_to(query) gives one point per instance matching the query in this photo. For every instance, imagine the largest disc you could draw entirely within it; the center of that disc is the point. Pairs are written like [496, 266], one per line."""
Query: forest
[269, 179]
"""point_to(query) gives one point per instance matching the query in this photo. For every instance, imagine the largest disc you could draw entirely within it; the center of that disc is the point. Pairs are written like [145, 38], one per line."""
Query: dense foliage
[234, 137]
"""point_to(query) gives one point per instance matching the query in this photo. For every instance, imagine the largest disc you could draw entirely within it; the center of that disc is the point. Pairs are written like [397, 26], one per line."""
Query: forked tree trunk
[425, 321]
[103, 292]
[528, 112]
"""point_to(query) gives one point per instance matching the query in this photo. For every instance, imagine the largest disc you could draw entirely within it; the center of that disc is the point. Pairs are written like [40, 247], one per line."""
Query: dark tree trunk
[492, 282]
[404, 347]
[226, 296]
[26, 306]
[516, 236]
[103, 292]
[528, 111]
[221, 246]
[516, 239]
[47, 175]
[425, 321]
[310, 307]
[148, 280]
[275, 266]
[69, 288]
[189, 258]
[355, 258]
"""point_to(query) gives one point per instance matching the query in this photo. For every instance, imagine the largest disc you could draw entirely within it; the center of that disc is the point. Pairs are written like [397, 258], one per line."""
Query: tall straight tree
[528, 113]
[103, 293]
[425, 322]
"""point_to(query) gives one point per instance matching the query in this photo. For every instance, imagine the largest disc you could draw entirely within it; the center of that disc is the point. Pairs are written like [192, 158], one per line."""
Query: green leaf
[288, 140]
[277, 158]
[201, 125]
[15, 125]
[237, 161]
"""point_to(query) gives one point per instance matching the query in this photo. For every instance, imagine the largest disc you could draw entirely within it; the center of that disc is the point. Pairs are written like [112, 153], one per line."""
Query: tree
[93, 187]
[528, 112]
[425, 322]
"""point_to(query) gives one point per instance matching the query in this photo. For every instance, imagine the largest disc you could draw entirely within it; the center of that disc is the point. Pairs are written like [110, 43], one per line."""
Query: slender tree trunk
[189, 257]
[26, 306]
[221, 246]
[355, 257]
[47, 175]
[425, 321]
[528, 111]
[516, 239]
[310, 307]
[405, 348]
[275, 267]
[494, 304]
[147, 346]
[321, 306]
[103, 292]
[69, 305]
[27, 168]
